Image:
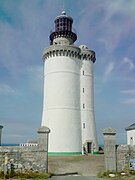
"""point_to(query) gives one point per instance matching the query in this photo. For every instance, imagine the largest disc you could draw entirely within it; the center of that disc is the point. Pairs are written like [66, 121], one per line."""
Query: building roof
[63, 14]
[131, 127]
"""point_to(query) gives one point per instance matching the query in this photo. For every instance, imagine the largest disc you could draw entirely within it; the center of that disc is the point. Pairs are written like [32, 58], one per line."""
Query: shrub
[103, 174]
[25, 175]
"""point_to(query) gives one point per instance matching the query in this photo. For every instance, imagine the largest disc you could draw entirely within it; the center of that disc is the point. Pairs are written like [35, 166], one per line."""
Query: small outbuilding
[131, 134]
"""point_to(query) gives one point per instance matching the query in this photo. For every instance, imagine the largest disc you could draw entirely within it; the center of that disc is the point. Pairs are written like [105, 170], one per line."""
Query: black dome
[63, 27]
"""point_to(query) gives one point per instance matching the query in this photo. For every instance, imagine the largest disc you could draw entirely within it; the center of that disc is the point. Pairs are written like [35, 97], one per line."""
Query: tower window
[83, 106]
[83, 72]
[83, 90]
[83, 125]
[131, 140]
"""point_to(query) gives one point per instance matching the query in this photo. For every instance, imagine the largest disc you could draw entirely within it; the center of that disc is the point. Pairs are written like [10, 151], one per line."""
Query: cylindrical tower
[89, 136]
[63, 83]
[61, 108]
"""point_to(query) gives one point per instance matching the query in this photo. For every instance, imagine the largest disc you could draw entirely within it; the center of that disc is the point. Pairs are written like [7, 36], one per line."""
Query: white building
[131, 134]
[30, 143]
[68, 105]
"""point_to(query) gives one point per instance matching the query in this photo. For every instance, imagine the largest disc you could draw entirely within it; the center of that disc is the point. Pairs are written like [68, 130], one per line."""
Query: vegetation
[24, 175]
[127, 174]
[103, 174]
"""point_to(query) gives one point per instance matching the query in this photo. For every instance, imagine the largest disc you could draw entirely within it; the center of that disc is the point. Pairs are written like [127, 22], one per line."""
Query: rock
[112, 175]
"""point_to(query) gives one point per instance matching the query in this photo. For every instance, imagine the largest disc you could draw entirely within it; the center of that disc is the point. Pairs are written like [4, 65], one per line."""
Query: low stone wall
[124, 154]
[117, 157]
[22, 158]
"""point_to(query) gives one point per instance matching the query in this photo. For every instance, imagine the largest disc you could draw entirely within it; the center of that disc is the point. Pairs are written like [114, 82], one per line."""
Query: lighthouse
[68, 101]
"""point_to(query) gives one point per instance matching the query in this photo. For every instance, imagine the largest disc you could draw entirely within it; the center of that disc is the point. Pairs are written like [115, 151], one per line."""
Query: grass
[129, 175]
[25, 175]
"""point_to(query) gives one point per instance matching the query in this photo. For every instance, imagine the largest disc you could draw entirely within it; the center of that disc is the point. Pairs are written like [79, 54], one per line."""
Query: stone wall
[22, 158]
[117, 157]
[124, 154]
[109, 149]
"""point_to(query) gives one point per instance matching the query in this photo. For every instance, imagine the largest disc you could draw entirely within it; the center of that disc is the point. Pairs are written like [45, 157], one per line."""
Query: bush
[128, 173]
[25, 175]
[2, 174]
[132, 172]
[103, 174]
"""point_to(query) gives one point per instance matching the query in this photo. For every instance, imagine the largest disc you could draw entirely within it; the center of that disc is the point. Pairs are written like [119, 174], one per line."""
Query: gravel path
[83, 165]
[76, 178]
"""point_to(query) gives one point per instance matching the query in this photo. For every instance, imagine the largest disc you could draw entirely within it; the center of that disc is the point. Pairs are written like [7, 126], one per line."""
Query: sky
[107, 27]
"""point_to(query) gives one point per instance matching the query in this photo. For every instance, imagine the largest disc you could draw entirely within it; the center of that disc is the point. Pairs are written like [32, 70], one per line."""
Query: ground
[84, 165]
[87, 166]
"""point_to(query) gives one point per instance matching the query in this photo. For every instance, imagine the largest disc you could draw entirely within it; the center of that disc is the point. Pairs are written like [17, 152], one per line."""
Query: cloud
[110, 22]
[35, 77]
[107, 28]
[108, 71]
[22, 40]
[128, 91]
[130, 101]
[18, 131]
[125, 72]
[129, 62]
[6, 89]
[35, 71]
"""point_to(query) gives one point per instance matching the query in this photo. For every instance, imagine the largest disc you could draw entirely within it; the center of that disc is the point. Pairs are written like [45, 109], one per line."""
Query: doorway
[89, 147]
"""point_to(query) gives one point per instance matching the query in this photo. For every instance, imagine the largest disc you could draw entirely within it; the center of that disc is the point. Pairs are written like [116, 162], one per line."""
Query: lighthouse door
[89, 146]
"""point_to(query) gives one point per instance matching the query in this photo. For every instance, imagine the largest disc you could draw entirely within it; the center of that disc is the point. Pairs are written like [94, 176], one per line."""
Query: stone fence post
[110, 149]
[43, 135]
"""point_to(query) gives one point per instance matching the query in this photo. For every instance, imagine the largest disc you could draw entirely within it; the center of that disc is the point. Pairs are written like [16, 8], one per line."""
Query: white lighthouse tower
[68, 108]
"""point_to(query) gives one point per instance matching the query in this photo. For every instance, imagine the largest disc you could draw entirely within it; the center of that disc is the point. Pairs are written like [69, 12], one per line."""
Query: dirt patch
[85, 165]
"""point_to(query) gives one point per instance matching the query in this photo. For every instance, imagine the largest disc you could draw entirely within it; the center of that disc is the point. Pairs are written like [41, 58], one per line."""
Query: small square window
[83, 125]
[131, 140]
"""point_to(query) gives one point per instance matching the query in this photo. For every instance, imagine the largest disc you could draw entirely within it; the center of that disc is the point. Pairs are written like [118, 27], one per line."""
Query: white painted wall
[87, 100]
[66, 90]
[61, 105]
[131, 137]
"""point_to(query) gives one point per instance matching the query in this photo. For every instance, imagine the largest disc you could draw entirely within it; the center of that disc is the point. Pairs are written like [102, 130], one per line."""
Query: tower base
[64, 153]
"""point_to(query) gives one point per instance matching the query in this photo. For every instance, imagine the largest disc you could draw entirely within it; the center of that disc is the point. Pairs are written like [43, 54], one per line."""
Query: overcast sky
[107, 27]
